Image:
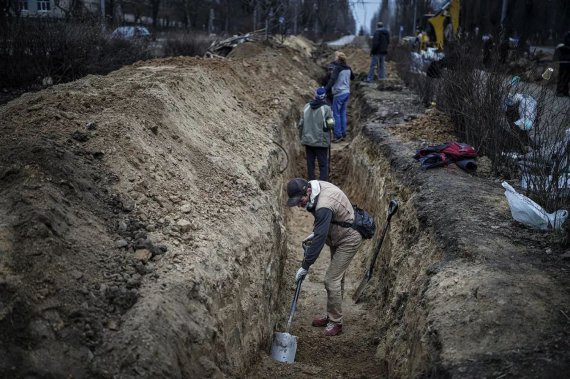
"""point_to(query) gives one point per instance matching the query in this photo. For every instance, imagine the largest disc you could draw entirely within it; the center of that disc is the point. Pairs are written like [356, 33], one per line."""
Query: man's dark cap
[296, 189]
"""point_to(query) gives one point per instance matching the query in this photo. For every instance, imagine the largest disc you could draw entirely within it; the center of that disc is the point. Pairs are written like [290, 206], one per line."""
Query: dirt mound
[463, 290]
[245, 50]
[142, 234]
[124, 200]
[430, 128]
[357, 59]
[300, 44]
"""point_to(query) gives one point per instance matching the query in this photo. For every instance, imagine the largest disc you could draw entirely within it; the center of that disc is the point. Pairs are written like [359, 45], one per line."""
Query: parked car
[131, 32]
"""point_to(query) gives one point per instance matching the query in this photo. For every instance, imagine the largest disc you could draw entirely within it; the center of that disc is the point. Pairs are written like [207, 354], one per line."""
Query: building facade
[57, 8]
[123, 12]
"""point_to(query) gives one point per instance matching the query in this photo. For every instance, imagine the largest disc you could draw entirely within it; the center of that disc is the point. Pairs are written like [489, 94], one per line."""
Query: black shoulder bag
[363, 223]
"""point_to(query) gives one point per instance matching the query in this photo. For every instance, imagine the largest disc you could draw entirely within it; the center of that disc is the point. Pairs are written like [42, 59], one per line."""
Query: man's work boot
[333, 329]
[320, 321]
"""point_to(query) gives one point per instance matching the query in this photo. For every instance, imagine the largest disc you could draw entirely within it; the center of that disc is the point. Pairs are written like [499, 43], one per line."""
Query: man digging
[330, 206]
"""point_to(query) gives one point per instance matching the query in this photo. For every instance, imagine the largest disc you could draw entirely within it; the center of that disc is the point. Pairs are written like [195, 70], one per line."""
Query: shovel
[284, 345]
[392, 208]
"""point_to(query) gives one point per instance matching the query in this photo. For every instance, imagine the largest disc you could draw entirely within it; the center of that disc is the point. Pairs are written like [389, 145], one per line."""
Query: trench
[362, 167]
[436, 305]
[447, 282]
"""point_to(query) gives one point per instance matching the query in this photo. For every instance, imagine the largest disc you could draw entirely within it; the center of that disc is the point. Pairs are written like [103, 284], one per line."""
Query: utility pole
[414, 25]
[268, 22]
[504, 13]
[295, 15]
[102, 2]
[211, 21]
[255, 17]
[316, 11]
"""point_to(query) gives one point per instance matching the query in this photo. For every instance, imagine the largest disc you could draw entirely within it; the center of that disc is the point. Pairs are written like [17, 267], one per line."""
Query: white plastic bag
[527, 212]
[527, 111]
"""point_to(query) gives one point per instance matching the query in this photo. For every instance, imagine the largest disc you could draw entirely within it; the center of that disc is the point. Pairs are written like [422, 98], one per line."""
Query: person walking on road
[329, 205]
[339, 83]
[562, 55]
[314, 131]
[378, 52]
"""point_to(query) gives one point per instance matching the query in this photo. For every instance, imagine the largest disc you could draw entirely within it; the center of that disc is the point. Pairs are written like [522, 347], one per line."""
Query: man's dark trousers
[321, 153]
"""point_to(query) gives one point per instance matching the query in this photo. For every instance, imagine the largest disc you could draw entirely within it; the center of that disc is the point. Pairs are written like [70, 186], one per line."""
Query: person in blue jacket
[339, 84]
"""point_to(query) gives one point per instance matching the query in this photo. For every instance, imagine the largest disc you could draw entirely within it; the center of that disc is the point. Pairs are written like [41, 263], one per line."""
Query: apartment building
[57, 8]
[123, 12]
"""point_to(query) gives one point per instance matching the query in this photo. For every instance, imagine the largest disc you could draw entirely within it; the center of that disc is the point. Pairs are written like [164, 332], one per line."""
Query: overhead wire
[353, 4]
[358, 15]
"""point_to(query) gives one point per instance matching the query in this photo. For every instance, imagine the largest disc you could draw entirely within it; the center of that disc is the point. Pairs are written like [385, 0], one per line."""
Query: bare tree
[155, 7]
[69, 8]
[9, 8]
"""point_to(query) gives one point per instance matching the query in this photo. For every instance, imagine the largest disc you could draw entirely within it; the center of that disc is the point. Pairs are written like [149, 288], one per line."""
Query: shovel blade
[284, 347]
[360, 290]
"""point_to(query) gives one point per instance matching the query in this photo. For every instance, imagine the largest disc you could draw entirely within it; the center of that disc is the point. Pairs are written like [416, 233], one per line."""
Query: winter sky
[363, 10]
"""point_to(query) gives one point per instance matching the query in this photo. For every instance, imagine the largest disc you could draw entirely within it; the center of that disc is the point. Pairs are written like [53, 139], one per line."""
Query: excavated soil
[462, 290]
[143, 233]
[142, 229]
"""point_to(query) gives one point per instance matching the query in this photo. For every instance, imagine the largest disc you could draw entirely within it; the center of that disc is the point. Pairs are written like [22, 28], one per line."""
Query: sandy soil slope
[140, 216]
[143, 233]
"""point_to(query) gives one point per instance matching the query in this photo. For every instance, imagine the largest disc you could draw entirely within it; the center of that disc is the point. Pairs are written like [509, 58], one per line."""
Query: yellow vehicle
[444, 24]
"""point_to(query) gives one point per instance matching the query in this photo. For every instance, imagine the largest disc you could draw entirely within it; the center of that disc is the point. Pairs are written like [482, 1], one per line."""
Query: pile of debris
[224, 47]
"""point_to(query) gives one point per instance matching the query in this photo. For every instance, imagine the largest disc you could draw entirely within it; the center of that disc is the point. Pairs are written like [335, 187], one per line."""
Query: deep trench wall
[372, 174]
[455, 296]
[168, 133]
[395, 291]
[459, 289]
[218, 322]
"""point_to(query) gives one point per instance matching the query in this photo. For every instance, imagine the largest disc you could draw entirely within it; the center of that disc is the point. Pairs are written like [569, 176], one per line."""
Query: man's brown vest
[333, 198]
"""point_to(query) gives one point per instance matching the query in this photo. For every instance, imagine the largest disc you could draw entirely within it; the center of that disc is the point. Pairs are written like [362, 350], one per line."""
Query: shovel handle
[392, 208]
[294, 304]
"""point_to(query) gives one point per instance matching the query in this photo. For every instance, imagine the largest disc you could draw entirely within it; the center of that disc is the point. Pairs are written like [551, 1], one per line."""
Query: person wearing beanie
[339, 84]
[378, 52]
[331, 209]
[314, 131]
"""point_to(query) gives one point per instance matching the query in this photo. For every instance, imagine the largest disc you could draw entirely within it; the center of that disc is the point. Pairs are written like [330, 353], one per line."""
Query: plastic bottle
[547, 73]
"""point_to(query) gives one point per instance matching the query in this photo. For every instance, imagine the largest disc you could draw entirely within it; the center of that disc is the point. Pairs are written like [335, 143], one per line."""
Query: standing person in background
[488, 46]
[562, 55]
[424, 40]
[378, 52]
[314, 130]
[339, 83]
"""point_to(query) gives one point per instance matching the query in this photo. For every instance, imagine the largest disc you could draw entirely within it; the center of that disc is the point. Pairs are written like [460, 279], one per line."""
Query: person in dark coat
[562, 55]
[378, 52]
